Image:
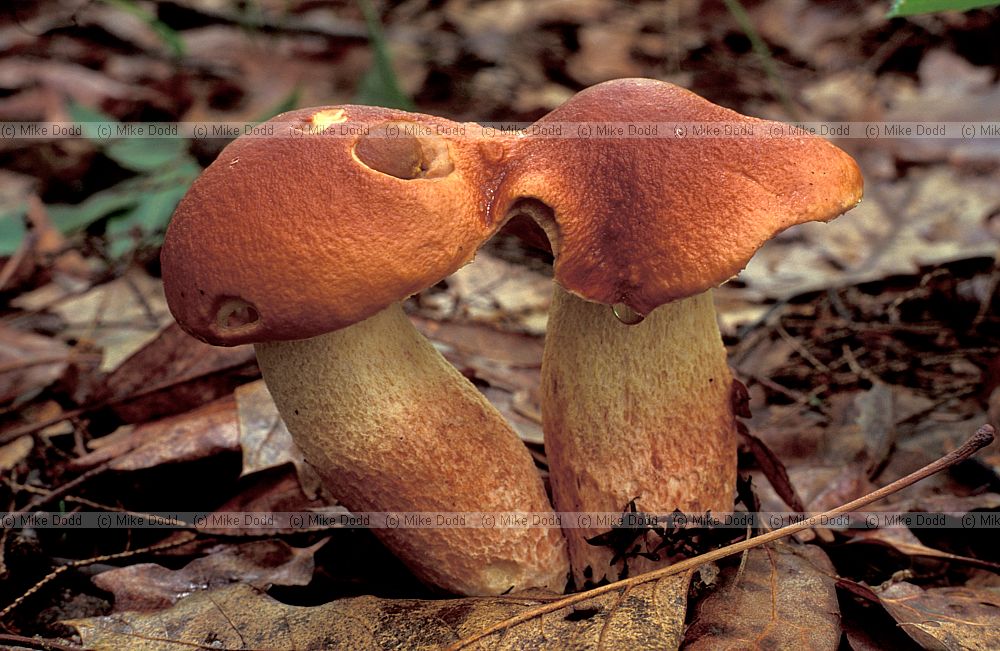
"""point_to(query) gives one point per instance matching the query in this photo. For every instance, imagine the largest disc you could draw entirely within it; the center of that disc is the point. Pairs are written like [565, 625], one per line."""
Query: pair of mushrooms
[306, 246]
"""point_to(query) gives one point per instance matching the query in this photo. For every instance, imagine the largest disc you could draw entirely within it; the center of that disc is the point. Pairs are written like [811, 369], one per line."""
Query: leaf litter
[866, 344]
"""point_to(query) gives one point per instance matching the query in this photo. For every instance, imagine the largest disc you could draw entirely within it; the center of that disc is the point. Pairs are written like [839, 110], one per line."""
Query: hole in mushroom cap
[626, 315]
[236, 314]
[395, 150]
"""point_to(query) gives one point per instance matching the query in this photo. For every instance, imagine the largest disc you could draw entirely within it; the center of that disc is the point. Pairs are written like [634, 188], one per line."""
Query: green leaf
[151, 215]
[72, 218]
[12, 229]
[144, 224]
[89, 119]
[914, 7]
[379, 86]
[125, 195]
[146, 154]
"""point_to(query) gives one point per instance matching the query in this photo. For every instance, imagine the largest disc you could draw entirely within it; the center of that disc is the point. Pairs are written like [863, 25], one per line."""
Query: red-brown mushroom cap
[647, 220]
[288, 237]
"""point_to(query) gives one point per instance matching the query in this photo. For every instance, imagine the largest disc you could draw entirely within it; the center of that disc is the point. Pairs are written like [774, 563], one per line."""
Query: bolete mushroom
[304, 244]
[643, 223]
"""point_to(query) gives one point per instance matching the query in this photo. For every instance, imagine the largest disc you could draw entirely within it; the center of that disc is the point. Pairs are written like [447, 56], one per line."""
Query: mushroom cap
[650, 219]
[304, 232]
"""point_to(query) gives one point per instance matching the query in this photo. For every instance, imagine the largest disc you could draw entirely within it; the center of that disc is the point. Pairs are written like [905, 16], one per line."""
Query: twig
[38, 643]
[31, 428]
[802, 350]
[56, 493]
[183, 540]
[982, 438]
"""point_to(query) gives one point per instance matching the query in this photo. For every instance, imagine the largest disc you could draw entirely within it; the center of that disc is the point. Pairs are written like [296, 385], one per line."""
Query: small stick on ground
[90, 561]
[983, 437]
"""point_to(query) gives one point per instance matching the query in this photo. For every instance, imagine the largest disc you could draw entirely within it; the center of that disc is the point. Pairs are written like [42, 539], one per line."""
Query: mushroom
[667, 197]
[304, 244]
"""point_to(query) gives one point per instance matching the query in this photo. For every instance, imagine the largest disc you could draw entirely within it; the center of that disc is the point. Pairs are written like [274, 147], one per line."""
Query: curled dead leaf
[152, 587]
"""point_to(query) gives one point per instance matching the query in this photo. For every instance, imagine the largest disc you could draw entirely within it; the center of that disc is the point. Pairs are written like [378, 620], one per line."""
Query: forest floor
[869, 346]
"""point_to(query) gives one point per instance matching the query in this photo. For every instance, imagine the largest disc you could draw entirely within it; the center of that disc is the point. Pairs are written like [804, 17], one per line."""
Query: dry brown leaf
[786, 598]
[492, 290]
[945, 618]
[174, 372]
[649, 616]
[15, 452]
[50, 294]
[813, 31]
[83, 85]
[905, 542]
[934, 434]
[28, 362]
[606, 51]
[193, 435]
[508, 361]
[479, 340]
[843, 96]
[120, 316]
[951, 90]
[929, 217]
[279, 492]
[495, 30]
[265, 69]
[264, 438]
[529, 430]
[261, 564]
[124, 25]
[877, 422]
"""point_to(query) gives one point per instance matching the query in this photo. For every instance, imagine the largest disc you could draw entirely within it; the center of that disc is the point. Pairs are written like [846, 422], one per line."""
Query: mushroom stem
[635, 411]
[390, 425]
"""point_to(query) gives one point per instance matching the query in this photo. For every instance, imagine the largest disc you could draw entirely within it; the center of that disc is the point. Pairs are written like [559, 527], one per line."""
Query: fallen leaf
[606, 51]
[15, 452]
[480, 340]
[773, 469]
[929, 217]
[261, 564]
[950, 90]
[786, 598]
[173, 372]
[650, 615]
[877, 422]
[193, 435]
[61, 288]
[124, 25]
[492, 290]
[905, 542]
[945, 618]
[120, 316]
[278, 491]
[869, 628]
[813, 32]
[494, 29]
[263, 70]
[264, 438]
[83, 85]
[529, 431]
[28, 362]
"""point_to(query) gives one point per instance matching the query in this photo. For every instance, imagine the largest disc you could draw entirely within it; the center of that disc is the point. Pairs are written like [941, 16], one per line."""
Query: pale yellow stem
[391, 426]
[635, 411]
